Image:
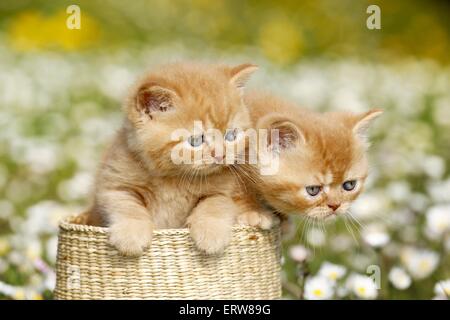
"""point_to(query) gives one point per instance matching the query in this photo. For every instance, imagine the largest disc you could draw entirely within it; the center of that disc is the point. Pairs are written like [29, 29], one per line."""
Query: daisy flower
[375, 235]
[399, 278]
[332, 271]
[420, 263]
[316, 237]
[298, 253]
[362, 286]
[438, 221]
[318, 288]
[442, 289]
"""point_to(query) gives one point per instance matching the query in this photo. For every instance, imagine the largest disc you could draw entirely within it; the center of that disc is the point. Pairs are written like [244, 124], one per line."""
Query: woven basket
[172, 268]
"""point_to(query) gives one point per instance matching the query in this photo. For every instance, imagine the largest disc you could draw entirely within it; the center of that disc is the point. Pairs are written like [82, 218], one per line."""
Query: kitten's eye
[231, 135]
[196, 141]
[313, 190]
[349, 185]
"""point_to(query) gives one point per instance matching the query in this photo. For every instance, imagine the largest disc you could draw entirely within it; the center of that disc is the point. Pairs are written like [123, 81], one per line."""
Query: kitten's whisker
[350, 231]
[239, 179]
[184, 176]
[248, 172]
[308, 227]
[314, 227]
[362, 226]
[247, 175]
[193, 176]
[385, 217]
[324, 229]
[301, 224]
[305, 226]
[297, 232]
[351, 220]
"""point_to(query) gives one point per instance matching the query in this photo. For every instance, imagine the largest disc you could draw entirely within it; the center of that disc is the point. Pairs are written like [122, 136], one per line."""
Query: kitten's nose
[334, 206]
[218, 158]
[215, 154]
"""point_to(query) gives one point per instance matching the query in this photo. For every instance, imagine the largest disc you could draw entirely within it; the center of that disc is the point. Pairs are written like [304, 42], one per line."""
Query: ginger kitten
[322, 159]
[139, 187]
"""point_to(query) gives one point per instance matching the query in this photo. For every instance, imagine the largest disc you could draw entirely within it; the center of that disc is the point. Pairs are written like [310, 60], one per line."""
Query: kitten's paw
[211, 238]
[131, 237]
[264, 219]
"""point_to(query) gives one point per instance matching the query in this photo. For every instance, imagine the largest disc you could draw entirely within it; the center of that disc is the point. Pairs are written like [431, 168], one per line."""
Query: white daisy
[399, 191]
[438, 190]
[76, 187]
[375, 235]
[420, 263]
[341, 243]
[41, 157]
[318, 288]
[369, 205]
[298, 253]
[7, 289]
[362, 286]
[438, 221]
[434, 166]
[33, 249]
[442, 289]
[332, 271]
[316, 237]
[399, 278]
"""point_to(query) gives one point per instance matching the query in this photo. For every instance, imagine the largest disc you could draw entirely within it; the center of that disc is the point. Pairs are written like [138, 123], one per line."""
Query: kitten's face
[323, 164]
[184, 118]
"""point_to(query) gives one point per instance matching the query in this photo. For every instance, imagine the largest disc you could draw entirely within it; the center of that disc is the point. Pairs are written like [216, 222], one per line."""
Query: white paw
[131, 237]
[264, 220]
[211, 238]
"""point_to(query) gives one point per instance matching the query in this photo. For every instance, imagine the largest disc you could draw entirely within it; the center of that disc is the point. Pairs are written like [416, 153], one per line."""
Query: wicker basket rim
[67, 225]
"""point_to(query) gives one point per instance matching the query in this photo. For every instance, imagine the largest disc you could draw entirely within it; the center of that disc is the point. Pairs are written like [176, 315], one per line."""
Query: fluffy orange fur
[320, 150]
[138, 186]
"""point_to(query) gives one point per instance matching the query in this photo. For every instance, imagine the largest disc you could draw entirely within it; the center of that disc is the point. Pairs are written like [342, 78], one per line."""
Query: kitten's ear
[289, 135]
[154, 98]
[362, 123]
[240, 74]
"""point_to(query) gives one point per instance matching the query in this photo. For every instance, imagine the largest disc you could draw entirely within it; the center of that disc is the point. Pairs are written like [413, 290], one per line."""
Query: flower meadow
[57, 112]
[61, 104]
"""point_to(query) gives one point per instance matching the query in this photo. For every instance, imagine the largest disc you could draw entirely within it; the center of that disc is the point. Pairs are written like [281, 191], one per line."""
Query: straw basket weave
[172, 268]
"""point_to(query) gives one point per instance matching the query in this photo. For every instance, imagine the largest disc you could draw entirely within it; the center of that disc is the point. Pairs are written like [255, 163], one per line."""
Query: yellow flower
[25, 31]
[361, 290]
[19, 294]
[37, 296]
[281, 41]
[318, 293]
[33, 250]
[31, 30]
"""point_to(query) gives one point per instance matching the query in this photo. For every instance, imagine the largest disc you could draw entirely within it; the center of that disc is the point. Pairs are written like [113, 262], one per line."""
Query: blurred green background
[60, 96]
